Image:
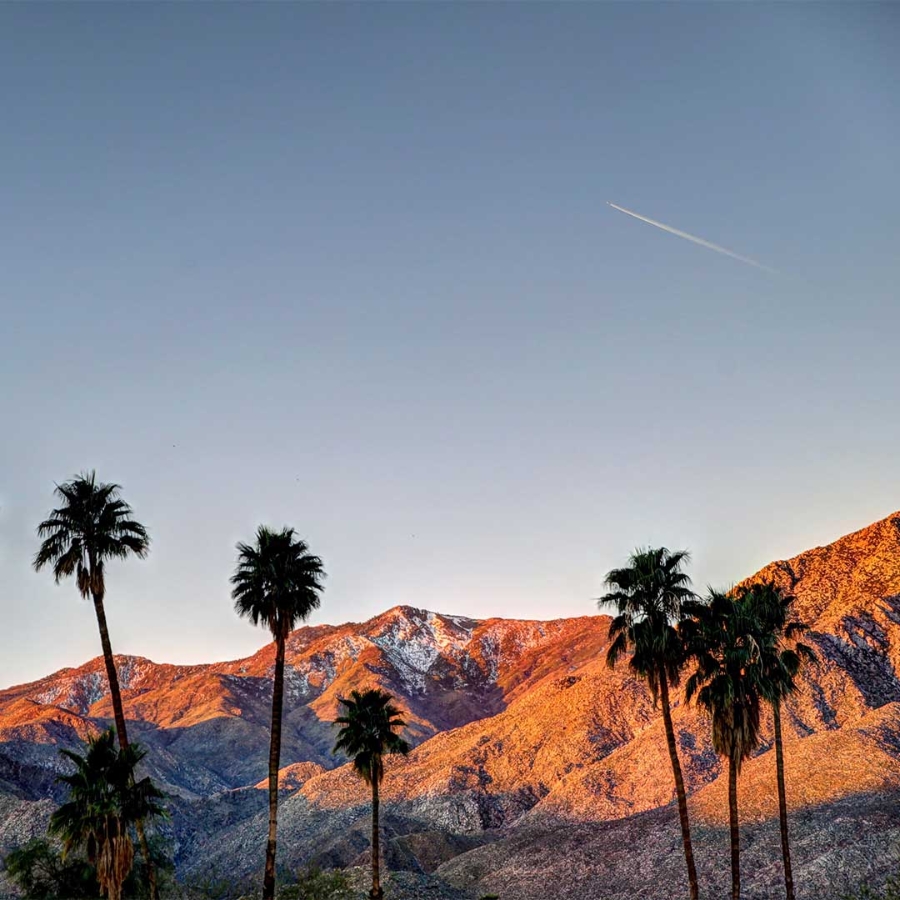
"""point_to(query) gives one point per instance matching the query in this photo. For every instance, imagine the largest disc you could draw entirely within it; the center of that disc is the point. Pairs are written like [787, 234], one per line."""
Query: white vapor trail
[690, 237]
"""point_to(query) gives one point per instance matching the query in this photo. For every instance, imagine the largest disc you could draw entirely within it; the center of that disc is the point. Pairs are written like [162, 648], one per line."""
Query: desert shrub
[890, 891]
[161, 852]
[211, 885]
[41, 873]
[314, 883]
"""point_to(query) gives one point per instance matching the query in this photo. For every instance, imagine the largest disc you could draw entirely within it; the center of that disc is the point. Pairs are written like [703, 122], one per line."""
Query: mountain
[536, 770]
[447, 670]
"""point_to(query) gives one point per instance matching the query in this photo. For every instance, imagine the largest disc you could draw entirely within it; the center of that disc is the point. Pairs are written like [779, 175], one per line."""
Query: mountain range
[537, 771]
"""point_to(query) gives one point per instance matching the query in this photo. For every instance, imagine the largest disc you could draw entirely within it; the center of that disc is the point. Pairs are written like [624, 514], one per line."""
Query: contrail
[690, 237]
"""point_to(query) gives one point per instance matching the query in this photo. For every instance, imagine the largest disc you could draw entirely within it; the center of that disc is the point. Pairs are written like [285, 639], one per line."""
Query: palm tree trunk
[111, 674]
[782, 803]
[376, 893]
[121, 732]
[679, 786]
[274, 763]
[735, 834]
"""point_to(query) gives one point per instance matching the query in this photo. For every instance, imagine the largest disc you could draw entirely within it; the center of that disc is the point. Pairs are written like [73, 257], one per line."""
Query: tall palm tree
[91, 526]
[723, 636]
[781, 655]
[649, 594]
[104, 801]
[277, 583]
[367, 734]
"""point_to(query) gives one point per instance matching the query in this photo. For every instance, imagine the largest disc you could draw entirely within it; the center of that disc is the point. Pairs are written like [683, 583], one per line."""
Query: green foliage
[161, 851]
[210, 885]
[724, 636]
[104, 802]
[367, 732]
[41, 873]
[740, 642]
[890, 891]
[314, 883]
[780, 653]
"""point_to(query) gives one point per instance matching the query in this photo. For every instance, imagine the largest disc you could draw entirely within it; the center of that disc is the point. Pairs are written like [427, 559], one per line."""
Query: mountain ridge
[518, 727]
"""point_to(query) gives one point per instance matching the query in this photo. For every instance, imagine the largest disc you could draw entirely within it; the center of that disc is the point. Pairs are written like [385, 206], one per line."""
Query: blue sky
[351, 268]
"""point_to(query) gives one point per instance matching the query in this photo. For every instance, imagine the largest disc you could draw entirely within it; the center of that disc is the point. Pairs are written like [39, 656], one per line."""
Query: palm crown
[277, 582]
[648, 595]
[368, 732]
[91, 525]
[104, 800]
[724, 637]
[780, 653]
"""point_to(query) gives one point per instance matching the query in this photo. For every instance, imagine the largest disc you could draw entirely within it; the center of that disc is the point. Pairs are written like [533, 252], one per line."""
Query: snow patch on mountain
[77, 694]
[414, 639]
[314, 674]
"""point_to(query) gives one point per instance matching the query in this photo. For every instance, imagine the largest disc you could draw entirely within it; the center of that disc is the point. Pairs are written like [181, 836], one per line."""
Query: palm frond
[368, 732]
[104, 801]
[92, 524]
[727, 639]
[277, 582]
[650, 595]
[617, 649]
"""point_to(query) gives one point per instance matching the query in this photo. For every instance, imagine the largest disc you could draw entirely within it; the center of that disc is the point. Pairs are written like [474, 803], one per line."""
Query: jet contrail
[690, 237]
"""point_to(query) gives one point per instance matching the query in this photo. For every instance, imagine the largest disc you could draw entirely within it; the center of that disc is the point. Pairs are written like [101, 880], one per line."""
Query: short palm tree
[367, 735]
[91, 526]
[648, 595]
[104, 801]
[722, 635]
[277, 583]
[781, 656]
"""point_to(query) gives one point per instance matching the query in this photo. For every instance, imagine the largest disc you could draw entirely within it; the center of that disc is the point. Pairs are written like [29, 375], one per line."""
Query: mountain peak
[849, 575]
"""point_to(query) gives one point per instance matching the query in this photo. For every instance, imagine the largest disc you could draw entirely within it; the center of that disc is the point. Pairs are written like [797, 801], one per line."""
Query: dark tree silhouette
[723, 637]
[104, 801]
[91, 526]
[277, 583]
[367, 735]
[781, 656]
[648, 595]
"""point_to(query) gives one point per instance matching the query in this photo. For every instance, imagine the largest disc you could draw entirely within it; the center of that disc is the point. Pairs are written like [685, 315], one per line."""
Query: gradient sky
[351, 268]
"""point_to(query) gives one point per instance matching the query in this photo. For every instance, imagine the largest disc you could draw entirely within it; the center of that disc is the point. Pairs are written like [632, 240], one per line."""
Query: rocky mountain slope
[446, 670]
[537, 771]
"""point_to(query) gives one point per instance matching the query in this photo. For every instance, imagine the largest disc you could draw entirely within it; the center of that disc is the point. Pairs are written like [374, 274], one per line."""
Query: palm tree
[368, 733]
[723, 636]
[104, 800]
[781, 656]
[277, 583]
[648, 595]
[91, 526]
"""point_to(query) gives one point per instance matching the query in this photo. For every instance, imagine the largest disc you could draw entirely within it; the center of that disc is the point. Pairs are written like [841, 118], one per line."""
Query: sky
[352, 269]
